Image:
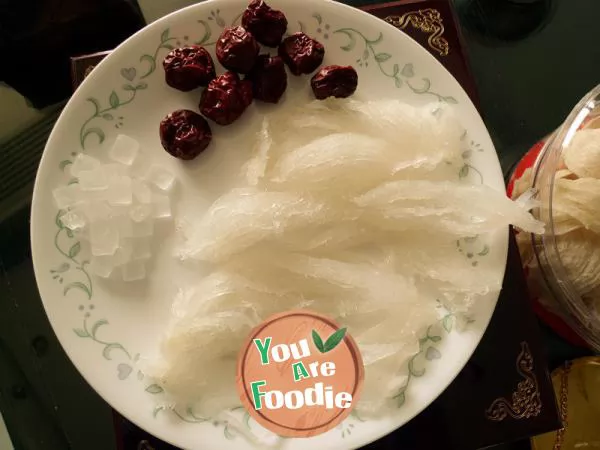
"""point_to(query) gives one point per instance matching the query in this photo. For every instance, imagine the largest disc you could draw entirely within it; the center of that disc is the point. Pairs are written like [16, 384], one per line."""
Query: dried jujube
[237, 49]
[269, 78]
[226, 98]
[266, 24]
[188, 68]
[185, 134]
[301, 53]
[334, 81]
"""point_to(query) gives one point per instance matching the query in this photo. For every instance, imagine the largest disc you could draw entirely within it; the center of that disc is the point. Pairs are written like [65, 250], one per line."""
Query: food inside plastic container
[564, 263]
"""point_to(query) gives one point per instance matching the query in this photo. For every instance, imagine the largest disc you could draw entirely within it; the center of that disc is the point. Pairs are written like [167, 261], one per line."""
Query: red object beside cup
[557, 324]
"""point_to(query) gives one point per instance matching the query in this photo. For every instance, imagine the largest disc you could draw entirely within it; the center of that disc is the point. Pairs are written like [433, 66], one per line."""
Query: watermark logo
[299, 374]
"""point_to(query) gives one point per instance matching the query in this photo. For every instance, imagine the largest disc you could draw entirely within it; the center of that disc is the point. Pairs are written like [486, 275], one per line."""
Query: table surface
[532, 61]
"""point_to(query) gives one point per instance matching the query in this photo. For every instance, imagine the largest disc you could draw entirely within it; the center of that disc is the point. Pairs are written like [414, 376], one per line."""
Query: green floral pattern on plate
[111, 112]
[189, 416]
[115, 101]
[367, 50]
[428, 351]
[73, 269]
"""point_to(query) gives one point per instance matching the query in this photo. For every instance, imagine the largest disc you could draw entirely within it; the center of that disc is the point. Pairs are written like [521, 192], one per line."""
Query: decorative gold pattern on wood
[525, 402]
[428, 21]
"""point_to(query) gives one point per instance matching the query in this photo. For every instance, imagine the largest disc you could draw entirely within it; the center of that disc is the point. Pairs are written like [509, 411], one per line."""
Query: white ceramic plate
[105, 327]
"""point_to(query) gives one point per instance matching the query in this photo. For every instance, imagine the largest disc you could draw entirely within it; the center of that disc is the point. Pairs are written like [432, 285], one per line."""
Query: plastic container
[571, 313]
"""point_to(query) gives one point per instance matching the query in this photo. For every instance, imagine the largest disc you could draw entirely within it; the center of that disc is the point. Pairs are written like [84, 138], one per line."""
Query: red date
[185, 134]
[188, 68]
[301, 53]
[269, 78]
[226, 98]
[266, 24]
[237, 49]
[334, 81]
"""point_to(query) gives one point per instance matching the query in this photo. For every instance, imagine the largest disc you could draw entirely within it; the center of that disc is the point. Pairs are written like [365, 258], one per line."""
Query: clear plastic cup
[548, 279]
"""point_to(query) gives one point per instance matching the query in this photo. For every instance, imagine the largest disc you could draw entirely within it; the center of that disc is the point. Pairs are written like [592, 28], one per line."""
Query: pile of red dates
[185, 134]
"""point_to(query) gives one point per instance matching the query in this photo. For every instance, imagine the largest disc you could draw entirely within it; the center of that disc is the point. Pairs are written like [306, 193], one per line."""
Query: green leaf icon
[334, 340]
[331, 342]
[318, 341]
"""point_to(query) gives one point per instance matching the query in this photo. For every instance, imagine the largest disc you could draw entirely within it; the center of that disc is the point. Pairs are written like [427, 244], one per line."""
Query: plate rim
[108, 61]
